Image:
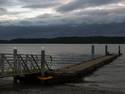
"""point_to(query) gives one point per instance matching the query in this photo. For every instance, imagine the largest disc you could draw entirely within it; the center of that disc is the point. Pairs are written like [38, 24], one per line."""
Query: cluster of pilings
[107, 52]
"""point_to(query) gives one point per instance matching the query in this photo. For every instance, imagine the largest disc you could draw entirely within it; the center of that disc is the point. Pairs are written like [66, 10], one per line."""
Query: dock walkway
[84, 67]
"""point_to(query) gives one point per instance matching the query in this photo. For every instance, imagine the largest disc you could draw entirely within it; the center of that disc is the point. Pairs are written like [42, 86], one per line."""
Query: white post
[15, 59]
[43, 61]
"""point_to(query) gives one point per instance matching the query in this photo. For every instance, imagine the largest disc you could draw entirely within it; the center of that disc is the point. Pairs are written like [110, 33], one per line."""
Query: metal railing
[13, 64]
[20, 64]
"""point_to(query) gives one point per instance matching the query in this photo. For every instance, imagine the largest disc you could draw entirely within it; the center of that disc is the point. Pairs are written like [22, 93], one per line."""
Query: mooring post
[93, 51]
[43, 61]
[15, 64]
[2, 63]
[15, 60]
[119, 50]
[106, 50]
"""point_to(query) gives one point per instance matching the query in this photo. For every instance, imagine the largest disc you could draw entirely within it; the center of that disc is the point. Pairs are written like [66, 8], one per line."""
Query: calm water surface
[111, 76]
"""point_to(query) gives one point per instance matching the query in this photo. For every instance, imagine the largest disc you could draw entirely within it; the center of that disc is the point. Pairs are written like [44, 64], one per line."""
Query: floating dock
[83, 68]
[33, 68]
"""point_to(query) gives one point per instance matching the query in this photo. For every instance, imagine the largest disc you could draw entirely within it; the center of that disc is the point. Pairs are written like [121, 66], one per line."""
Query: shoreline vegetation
[67, 40]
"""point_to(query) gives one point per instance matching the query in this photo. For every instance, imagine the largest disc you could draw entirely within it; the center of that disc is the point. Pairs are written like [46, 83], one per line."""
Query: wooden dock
[32, 67]
[84, 68]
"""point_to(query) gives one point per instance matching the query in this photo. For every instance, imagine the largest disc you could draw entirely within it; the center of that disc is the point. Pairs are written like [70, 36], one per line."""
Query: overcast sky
[52, 12]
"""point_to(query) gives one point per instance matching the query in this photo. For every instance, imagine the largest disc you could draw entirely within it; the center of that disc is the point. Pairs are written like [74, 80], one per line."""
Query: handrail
[25, 63]
[36, 63]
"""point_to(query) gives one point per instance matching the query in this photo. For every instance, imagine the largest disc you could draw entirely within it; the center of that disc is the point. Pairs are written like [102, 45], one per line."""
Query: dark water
[111, 76]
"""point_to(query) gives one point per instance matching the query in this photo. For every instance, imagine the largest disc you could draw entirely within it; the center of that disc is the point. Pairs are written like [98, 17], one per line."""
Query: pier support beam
[16, 79]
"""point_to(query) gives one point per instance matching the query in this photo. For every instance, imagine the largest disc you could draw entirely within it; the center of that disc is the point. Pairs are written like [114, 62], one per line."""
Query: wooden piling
[119, 50]
[15, 65]
[93, 51]
[106, 50]
[2, 63]
[43, 61]
[15, 60]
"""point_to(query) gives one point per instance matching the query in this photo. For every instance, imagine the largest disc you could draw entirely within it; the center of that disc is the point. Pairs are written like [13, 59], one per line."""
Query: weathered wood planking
[84, 67]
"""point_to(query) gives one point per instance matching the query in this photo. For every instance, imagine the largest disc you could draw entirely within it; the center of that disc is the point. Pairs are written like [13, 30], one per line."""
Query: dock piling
[15, 60]
[93, 51]
[15, 64]
[119, 50]
[106, 50]
[42, 61]
[2, 63]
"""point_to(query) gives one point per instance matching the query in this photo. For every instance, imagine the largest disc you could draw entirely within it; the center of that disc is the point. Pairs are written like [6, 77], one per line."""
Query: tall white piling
[15, 60]
[43, 61]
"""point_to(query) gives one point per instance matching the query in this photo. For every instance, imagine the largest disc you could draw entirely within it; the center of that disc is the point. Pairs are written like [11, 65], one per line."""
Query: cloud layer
[52, 12]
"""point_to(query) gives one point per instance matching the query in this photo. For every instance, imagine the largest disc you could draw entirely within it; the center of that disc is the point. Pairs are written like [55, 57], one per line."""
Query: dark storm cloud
[81, 4]
[39, 3]
[49, 12]
[50, 18]
[42, 5]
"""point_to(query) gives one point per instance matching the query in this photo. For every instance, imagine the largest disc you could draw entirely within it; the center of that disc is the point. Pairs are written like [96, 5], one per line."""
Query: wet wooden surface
[85, 66]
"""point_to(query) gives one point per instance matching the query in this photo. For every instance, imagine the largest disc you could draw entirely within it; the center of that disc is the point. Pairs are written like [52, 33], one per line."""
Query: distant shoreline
[67, 40]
